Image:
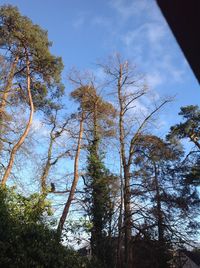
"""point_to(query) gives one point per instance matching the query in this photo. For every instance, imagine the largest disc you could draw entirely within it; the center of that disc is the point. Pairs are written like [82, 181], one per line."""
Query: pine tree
[99, 124]
[169, 206]
[35, 71]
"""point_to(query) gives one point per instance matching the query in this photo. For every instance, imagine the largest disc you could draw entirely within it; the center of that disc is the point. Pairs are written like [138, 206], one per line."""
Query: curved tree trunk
[75, 180]
[7, 91]
[26, 131]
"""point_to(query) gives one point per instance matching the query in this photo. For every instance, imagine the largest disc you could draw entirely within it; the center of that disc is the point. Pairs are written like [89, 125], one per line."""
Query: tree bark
[46, 168]
[75, 180]
[126, 171]
[158, 207]
[120, 222]
[127, 218]
[26, 131]
[7, 91]
[48, 162]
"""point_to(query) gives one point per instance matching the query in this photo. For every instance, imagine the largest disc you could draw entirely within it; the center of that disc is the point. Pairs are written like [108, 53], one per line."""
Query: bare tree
[129, 91]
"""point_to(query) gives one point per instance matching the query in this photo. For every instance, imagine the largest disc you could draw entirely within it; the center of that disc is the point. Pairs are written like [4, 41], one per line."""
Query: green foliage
[100, 204]
[190, 128]
[20, 37]
[99, 123]
[160, 178]
[25, 239]
[193, 176]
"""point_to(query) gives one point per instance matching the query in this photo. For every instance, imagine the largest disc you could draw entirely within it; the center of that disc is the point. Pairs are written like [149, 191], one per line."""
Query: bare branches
[55, 133]
[145, 121]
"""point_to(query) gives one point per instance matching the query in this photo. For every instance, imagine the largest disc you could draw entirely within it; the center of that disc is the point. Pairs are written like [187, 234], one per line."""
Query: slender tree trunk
[159, 208]
[120, 222]
[126, 168]
[46, 169]
[26, 131]
[7, 91]
[47, 166]
[127, 219]
[162, 247]
[75, 180]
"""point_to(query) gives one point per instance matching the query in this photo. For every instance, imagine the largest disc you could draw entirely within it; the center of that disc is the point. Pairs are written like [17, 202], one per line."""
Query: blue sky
[85, 31]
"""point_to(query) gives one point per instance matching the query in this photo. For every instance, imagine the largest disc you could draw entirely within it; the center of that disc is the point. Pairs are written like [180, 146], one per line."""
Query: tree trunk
[25, 133]
[127, 219]
[159, 208]
[7, 91]
[96, 232]
[120, 223]
[46, 169]
[126, 168]
[75, 180]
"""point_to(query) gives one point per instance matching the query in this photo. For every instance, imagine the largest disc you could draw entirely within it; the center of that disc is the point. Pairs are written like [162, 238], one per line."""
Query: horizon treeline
[87, 167]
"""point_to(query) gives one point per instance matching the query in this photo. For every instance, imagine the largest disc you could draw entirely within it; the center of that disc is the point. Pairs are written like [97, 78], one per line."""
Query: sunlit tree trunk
[6, 92]
[47, 166]
[46, 169]
[8, 85]
[126, 174]
[75, 180]
[26, 131]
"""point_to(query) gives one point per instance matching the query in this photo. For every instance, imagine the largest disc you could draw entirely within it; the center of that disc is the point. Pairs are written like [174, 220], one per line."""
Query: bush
[25, 239]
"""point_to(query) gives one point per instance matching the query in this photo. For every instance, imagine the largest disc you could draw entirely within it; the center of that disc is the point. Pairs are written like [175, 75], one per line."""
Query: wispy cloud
[154, 79]
[39, 128]
[126, 8]
[149, 41]
[150, 45]
[139, 29]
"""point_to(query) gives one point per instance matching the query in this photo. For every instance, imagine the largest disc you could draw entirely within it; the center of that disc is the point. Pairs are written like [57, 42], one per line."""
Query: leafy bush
[25, 239]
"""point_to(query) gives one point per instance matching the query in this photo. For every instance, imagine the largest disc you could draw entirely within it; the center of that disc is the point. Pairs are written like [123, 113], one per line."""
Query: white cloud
[149, 41]
[155, 32]
[151, 46]
[127, 9]
[154, 79]
[39, 128]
